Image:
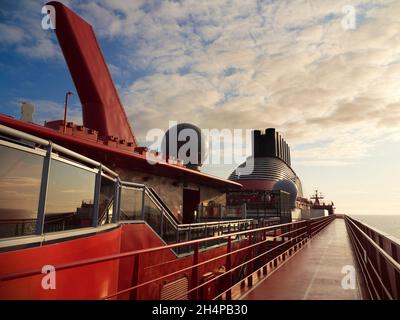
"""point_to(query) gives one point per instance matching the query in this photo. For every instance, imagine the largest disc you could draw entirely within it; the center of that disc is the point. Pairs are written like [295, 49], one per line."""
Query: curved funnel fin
[102, 108]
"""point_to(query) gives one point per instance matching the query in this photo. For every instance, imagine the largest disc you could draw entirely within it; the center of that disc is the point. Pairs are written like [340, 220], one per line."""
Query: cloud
[10, 34]
[41, 49]
[21, 29]
[286, 64]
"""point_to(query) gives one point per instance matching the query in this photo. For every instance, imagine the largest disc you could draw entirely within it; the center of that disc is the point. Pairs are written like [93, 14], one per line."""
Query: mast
[317, 196]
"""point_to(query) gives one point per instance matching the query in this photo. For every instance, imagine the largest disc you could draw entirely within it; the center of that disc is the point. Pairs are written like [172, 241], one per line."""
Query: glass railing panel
[235, 212]
[70, 196]
[20, 176]
[183, 235]
[169, 231]
[107, 214]
[106, 200]
[131, 203]
[152, 214]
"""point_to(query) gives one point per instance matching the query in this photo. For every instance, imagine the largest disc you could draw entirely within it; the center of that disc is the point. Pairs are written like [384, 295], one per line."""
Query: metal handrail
[362, 244]
[161, 207]
[26, 136]
[189, 229]
[393, 262]
[224, 255]
[151, 250]
[106, 209]
[283, 243]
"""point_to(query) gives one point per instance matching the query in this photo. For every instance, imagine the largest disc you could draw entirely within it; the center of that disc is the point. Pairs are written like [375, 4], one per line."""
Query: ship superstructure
[271, 182]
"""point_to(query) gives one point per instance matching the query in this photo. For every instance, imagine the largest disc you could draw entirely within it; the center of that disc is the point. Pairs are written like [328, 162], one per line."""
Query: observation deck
[315, 272]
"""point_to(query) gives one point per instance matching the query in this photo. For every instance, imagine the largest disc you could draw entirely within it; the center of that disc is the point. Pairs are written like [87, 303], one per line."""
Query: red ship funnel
[101, 107]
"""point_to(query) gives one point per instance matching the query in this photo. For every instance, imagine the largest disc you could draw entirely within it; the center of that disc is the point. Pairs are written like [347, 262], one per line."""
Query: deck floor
[315, 272]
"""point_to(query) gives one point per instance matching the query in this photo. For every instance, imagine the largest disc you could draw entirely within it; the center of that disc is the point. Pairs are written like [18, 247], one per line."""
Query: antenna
[317, 197]
[66, 110]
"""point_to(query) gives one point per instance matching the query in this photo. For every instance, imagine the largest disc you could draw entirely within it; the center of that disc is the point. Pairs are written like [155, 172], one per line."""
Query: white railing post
[117, 201]
[96, 203]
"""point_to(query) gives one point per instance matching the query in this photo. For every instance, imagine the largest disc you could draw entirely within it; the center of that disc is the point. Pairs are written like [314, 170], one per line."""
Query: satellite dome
[186, 142]
[287, 186]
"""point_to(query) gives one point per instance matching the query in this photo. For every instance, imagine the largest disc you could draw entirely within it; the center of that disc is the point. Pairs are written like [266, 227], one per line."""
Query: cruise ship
[85, 215]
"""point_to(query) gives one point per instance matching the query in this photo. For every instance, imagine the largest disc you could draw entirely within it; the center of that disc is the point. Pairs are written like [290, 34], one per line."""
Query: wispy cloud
[11, 34]
[254, 64]
[21, 29]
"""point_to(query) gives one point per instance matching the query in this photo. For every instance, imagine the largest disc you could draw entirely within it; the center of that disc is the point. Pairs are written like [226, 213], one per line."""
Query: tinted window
[106, 200]
[20, 176]
[70, 195]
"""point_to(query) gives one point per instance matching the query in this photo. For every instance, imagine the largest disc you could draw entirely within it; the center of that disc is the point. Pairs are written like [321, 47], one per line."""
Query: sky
[326, 74]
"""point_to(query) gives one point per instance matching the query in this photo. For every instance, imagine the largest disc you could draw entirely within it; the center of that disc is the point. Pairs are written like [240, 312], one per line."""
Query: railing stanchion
[135, 277]
[250, 264]
[292, 239]
[96, 204]
[143, 198]
[116, 203]
[228, 269]
[264, 249]
[195, 272]
[162, 223]
[275, 251]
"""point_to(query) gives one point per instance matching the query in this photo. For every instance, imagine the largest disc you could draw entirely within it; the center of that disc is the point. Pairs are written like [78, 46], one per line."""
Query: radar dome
[290, 187]
[186, 142]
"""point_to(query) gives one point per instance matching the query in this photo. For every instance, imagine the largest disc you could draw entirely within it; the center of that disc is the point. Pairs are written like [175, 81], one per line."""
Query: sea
[387, 223]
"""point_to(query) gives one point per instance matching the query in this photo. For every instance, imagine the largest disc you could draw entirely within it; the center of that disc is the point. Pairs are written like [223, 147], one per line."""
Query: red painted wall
[88, 282]
[99, 280]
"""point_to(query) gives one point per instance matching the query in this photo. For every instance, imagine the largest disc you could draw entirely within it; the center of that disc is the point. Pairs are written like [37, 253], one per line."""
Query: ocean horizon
[387, 223]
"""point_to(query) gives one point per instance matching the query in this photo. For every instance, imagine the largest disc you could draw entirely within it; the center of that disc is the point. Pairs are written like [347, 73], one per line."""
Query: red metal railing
[378, 257]
[243, 254]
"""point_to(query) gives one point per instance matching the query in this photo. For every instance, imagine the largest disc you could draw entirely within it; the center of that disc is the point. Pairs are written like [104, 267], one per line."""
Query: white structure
[27, 110]
[316, 213]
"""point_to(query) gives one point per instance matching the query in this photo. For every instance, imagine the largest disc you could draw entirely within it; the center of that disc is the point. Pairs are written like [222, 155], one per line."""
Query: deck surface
[315, 272]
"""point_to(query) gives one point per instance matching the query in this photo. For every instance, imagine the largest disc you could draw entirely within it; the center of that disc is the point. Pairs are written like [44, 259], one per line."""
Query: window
[70, 195]
[20, 176]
